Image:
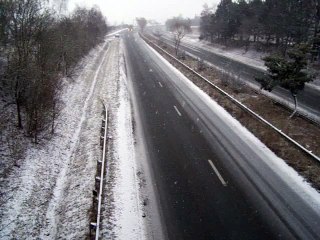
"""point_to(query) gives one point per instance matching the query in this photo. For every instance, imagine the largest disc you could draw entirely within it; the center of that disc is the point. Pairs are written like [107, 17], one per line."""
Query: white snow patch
[126, 219]
[55, 201]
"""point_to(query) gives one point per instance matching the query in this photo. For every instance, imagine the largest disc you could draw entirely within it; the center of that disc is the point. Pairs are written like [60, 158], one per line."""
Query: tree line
[290, 27]
[40, 47]
[271, 22]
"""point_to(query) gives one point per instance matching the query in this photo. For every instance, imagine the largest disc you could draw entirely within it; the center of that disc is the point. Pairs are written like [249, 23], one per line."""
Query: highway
[309, 98]
[212, 180]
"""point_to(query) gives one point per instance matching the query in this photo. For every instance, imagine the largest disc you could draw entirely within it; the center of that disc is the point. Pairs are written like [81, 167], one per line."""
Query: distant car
[117, 35]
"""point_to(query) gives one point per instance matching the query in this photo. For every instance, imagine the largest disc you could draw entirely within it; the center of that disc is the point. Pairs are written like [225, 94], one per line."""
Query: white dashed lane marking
[177, 110]
[217, 173]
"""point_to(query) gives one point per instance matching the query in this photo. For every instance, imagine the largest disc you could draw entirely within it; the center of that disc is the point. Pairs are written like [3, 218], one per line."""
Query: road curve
[211, 180]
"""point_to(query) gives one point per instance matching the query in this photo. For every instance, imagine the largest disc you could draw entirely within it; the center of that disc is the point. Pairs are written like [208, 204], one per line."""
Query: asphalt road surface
[309, 98]
[212, 182]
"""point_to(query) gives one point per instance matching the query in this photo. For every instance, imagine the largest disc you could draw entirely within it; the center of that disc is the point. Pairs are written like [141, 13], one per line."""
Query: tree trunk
[19, 114]
[36, 129]
[295, 105]
[53, 118]
[17, 97]
[277, 40]
[177, 44]
[284, 52]
[268, 39]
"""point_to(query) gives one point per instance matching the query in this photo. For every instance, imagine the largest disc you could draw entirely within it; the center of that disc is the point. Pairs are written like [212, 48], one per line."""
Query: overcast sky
[118, 11]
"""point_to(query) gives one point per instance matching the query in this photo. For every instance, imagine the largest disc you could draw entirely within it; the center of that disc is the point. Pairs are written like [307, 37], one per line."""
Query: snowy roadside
[29, 188]
[49, 195]
[122, 212]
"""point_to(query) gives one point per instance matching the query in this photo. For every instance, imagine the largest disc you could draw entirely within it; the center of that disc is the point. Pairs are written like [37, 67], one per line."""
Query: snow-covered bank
[81, 157]
[49, 195]
[122, 215]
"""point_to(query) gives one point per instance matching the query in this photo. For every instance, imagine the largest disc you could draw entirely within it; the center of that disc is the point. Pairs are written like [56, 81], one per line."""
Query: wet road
[212, 181]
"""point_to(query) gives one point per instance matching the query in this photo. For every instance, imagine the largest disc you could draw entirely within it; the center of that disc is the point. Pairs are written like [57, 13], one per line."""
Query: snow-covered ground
[122, 215]
[37, 192]
[48, 193]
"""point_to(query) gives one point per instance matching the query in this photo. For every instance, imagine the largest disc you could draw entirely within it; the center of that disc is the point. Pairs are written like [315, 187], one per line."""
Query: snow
[30, 184]
[288, 174]
[54, 203]
[124, 204]
[49, 195]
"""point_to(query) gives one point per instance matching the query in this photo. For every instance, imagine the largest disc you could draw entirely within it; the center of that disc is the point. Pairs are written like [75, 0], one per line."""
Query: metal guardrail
[100, 179]
[241, 105]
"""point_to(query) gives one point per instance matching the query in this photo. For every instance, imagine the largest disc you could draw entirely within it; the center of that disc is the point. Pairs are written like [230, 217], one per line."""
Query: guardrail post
[97, 193]
[93, 227]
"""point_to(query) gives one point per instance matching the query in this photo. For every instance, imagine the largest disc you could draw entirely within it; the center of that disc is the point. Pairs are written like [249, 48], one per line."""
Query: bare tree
[142, 22]
[179, 27]
[23, 19]
[40, 48]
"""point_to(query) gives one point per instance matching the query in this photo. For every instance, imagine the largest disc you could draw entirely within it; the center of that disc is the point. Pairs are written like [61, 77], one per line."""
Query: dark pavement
[212, 182]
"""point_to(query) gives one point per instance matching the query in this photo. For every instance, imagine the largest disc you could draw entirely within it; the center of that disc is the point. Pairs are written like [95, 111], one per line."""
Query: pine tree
[288, 73]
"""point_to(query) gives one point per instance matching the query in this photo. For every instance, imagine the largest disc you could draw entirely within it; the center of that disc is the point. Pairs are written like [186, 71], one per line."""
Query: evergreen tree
[288, 73]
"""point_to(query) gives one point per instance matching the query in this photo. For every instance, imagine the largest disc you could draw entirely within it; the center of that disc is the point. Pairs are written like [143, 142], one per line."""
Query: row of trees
[40, 47]
[268, 21]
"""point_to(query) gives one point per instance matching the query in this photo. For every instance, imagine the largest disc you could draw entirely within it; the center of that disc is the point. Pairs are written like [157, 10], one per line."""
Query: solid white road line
[177, 111]
[217, 173]
[160, 84]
